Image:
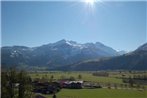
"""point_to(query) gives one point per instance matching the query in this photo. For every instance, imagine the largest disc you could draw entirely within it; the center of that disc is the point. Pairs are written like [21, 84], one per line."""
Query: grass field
[86, 76]
[99, 93]
[114, 77]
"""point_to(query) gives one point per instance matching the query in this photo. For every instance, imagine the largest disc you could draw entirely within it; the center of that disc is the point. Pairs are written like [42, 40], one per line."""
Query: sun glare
[90, 2]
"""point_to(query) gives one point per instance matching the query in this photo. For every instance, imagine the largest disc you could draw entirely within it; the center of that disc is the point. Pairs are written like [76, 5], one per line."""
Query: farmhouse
[72, 84]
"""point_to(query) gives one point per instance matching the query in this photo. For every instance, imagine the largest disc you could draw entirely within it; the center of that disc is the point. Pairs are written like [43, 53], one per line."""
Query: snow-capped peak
[70, 43]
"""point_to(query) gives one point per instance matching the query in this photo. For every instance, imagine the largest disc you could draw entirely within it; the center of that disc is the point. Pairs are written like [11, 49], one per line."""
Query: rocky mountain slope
[136, 60]
[54, 55]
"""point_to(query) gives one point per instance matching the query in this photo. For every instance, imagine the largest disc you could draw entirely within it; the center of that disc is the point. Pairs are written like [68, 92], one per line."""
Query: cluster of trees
[140, 77]
[15, 84]
[51, 78]
[129, 85]
[72, 78]
[136, 80]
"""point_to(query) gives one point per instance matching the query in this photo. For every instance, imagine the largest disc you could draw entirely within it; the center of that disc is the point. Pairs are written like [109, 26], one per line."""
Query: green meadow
[114, 77]
[99, 93]
[86, 76]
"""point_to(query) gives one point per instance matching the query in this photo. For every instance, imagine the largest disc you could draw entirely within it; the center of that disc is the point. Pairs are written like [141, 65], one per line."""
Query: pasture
[86, 76]
[99, 93]
[114, 77]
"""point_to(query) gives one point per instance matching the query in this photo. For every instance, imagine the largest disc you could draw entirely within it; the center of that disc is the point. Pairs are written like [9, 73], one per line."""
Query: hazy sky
[120, 25]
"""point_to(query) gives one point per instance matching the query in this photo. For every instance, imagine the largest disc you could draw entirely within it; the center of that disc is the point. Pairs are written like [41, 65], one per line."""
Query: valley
[72, 70]
[73, 49]
[112, 85]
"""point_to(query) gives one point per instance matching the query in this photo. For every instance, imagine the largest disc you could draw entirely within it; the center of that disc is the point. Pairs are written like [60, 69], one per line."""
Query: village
[62, 84]
[54, 87]
[43, 86]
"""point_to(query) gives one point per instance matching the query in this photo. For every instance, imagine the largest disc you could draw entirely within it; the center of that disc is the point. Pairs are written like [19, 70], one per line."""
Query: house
[72, 84]
[46, 87]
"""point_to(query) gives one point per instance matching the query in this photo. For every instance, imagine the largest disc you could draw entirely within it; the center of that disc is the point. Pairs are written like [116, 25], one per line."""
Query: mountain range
[70, 55]
[136, 60]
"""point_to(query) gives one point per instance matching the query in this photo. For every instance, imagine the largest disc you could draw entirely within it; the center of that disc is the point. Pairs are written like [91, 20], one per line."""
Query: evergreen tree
[9, 80]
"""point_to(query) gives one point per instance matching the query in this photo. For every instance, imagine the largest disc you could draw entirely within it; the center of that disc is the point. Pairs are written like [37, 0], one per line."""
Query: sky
[120, 25]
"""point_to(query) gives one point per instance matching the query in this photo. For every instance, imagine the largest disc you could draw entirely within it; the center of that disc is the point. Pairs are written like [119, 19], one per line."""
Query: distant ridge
[56, 54]
[59, 55]
[136, 60]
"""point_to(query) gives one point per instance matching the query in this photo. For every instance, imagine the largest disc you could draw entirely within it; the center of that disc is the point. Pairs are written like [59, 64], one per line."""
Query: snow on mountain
[60, 53]
[143, 47]
[89, 48]
[134, 60]
[70, 43]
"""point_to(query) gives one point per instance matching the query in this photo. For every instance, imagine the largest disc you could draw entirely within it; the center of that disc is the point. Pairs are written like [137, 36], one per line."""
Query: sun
[90, 5]
[90, 2]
